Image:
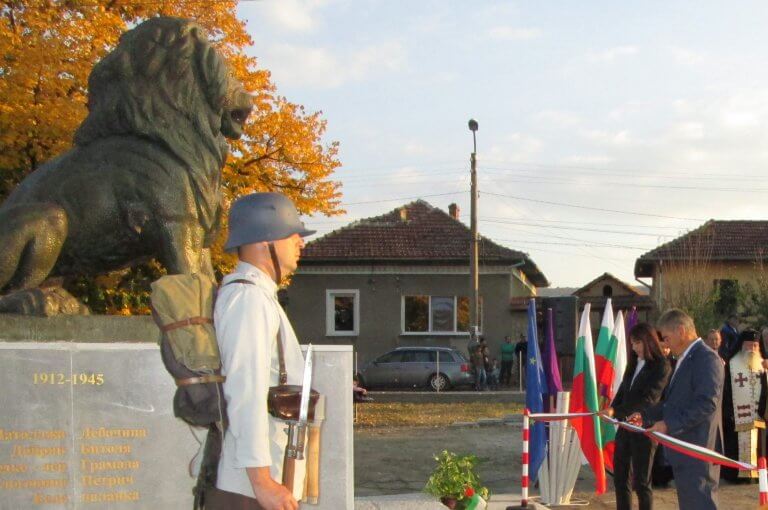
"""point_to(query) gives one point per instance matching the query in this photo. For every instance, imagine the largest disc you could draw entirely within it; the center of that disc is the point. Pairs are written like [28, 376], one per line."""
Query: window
[342, 312]
[437, 314]
[727, 296]
[607, 291]
[391, 357]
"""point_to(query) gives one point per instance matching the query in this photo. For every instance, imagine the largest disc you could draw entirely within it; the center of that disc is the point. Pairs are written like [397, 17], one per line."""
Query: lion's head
[164, 81]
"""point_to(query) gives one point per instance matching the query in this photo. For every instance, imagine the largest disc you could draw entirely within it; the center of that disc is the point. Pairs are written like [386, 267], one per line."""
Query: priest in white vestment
[744, 395]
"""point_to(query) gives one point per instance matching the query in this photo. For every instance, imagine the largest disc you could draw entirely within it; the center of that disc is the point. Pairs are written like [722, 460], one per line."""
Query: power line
[584, 245]
[404, 198]
[577, 206]
[528, 224]
[621, 171]
[542, 180]
[579, 222]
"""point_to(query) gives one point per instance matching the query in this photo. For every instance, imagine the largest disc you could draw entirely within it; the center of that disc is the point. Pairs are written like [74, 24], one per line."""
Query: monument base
[90, 424]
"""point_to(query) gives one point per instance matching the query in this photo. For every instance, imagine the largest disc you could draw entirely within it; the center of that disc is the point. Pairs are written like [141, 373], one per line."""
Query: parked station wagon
[437, 368]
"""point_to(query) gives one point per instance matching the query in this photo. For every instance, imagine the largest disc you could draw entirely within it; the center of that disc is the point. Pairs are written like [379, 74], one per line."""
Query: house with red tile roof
[402, 279]
[727, 256]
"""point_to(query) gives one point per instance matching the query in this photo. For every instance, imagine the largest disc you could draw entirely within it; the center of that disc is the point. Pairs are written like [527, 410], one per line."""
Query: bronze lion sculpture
[143, 179]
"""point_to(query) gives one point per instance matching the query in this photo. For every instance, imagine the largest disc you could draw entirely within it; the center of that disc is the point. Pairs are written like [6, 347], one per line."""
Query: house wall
[380, 293]
[673, 276]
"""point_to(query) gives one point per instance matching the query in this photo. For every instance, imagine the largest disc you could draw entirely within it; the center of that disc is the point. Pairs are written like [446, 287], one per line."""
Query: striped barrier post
[763, 479]
[524, 480]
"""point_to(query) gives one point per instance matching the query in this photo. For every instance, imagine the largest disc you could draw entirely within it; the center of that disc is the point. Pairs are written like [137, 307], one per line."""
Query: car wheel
[438, 382]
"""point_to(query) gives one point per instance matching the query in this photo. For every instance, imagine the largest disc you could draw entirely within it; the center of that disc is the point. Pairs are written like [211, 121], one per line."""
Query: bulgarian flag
[605, 354]
[474, 501]
[620, 363]
[615, 363]
[584, 400]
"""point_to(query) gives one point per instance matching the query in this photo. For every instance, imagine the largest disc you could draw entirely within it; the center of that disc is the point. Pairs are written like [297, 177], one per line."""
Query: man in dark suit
[690, 410]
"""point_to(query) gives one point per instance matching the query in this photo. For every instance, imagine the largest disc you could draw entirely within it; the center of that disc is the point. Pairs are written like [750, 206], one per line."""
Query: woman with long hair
[644, 380]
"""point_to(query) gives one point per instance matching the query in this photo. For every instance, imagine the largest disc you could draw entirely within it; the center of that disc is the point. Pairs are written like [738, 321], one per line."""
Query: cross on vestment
[741, 380]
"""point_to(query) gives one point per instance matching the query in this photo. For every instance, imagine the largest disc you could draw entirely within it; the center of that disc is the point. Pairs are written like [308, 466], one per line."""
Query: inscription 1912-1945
[90, 428]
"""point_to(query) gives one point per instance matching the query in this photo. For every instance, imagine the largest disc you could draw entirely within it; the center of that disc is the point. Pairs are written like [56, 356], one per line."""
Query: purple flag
[631, 320]
[551, 366]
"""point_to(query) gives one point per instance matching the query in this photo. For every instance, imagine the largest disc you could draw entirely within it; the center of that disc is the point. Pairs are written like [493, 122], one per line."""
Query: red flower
[469, 492]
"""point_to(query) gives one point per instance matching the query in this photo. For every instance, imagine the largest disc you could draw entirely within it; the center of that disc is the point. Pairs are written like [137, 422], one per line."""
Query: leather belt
[200, 380]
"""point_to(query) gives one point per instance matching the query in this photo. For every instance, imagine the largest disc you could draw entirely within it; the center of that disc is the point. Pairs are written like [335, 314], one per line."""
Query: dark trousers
[216, 499]
[696, 483]
[506, 372]
[632, 462]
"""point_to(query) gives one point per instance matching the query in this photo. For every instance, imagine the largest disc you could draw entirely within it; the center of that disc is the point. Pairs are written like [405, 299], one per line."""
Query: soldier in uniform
[266, 233]
[744, 394]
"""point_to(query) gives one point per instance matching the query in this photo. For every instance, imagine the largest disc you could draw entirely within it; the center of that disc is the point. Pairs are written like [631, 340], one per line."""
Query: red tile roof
[416, 233]
[714, 240]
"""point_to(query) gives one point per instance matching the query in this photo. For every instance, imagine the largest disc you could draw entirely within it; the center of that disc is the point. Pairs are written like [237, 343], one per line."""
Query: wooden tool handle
[313, 466]
[289, 472]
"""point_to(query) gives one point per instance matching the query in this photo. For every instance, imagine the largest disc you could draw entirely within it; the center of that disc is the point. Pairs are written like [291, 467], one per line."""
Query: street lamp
[473, 249]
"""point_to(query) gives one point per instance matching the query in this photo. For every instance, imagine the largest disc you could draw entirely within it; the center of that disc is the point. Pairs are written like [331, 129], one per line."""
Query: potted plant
[451, 478]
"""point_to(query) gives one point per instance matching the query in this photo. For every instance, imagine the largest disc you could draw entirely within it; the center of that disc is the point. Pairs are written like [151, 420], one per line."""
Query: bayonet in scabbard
[297, 433]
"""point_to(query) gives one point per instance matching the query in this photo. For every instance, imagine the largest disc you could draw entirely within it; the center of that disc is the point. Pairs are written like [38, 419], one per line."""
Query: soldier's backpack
[182, 307]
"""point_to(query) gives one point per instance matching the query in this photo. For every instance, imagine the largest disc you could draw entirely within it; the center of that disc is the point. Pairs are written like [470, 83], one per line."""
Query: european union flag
[535, 387]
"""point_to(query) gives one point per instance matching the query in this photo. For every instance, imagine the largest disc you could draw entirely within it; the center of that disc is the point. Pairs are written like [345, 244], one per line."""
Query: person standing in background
[714, 341]
[730, 335]
[507, 360]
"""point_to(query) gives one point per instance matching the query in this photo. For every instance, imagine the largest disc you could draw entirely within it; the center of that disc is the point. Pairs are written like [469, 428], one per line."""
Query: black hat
[748, 335]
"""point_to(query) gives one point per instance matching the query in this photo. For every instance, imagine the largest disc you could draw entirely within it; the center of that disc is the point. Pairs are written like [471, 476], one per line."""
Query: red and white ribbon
[524, 479]
[762, 478]
[692, 450]
[557, 416]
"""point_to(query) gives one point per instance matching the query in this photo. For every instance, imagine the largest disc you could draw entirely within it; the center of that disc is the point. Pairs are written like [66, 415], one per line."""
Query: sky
[605, 128]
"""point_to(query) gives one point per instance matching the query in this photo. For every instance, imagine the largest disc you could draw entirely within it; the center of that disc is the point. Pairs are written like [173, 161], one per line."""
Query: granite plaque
[90, 425]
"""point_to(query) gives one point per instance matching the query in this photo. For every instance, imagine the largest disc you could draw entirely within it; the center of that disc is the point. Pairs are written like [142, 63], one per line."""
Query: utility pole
[474, 306]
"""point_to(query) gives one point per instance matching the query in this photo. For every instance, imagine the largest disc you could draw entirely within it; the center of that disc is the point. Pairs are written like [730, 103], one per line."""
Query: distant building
[567, 304]
[726, 256]
[402, 279]
[623, 296]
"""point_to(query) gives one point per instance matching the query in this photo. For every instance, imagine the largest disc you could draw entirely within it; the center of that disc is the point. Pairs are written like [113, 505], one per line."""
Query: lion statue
[143, 179]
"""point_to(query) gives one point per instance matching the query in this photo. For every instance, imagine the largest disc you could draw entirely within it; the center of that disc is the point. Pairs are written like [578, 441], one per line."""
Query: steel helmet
[262, 217]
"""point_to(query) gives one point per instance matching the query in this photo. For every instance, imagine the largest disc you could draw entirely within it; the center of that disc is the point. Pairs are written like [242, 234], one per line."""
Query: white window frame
[429, 331]
[330, 311]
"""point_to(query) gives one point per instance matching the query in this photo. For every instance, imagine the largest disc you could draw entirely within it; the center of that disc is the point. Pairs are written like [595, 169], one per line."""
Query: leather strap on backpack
[186, 322]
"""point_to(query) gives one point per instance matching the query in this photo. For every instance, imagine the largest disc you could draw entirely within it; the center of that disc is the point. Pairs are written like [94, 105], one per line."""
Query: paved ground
[398, 461]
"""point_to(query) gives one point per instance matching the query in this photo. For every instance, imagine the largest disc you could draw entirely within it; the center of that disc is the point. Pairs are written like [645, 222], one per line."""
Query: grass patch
[375, 414]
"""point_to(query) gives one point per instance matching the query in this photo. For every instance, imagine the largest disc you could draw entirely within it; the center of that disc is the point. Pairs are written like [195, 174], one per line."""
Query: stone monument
[143, 179]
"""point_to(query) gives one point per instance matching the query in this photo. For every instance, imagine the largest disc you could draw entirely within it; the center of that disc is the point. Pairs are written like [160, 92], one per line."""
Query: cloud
[516, 148]
[612, 54]
[688, 130]
[509, 33]
[292, 15]
[557, 118]
[588, 159]
[321, 67]
[604, 137]
[687, 57]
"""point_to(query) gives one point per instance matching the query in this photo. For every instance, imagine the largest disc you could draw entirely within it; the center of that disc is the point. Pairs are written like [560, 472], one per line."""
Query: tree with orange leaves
[47, 50]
